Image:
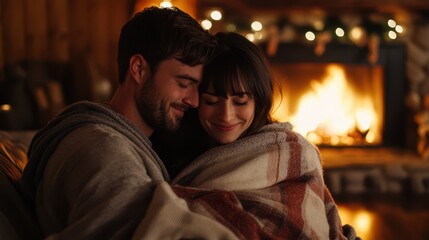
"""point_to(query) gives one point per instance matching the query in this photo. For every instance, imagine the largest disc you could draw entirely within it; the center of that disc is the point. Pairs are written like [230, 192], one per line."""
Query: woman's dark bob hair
[239, 66]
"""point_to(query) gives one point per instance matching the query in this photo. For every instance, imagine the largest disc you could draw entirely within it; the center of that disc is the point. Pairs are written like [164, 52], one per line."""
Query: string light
[206, 24]
[318, 25]
[310, 36]
[258, 35]
[399, 29]
[216, 15]
[256, 26]
[391, 23]
[349, 31]
[392, 35]
[250, 37]
[231, 27]
[356, 33]
[339, 32]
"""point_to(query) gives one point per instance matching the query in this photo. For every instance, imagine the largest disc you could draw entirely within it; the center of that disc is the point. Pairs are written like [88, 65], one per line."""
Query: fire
[333, 112]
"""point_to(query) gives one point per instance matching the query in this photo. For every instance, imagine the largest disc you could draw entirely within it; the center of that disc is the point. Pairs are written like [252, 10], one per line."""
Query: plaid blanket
[265, 186]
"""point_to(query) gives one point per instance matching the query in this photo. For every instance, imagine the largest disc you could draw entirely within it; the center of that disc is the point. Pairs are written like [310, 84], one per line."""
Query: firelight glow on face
[226, 119]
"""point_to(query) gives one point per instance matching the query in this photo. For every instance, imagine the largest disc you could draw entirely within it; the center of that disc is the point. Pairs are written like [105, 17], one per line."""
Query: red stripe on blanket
[225, 208]
[294, 189]
[294, 166]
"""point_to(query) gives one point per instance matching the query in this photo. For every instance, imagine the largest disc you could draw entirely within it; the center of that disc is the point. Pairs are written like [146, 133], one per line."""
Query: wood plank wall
[59, 33]
[75, 39]
[57, 52]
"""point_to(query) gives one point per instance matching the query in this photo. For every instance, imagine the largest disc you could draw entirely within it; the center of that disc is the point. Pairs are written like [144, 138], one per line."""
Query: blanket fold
[265, 186]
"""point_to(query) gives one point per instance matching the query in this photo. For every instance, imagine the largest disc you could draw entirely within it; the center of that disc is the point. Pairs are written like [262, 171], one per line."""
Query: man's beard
[154, 110]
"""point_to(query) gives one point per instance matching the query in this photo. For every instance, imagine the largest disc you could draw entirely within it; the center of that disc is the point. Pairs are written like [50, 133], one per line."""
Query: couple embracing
[93, 171]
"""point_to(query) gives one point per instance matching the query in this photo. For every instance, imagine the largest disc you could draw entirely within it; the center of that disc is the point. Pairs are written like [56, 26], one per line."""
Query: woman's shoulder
[277, 126]
[284, 132]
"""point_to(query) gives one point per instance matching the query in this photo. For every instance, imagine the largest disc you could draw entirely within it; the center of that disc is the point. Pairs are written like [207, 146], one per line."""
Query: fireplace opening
[332, 104]
[339, 98]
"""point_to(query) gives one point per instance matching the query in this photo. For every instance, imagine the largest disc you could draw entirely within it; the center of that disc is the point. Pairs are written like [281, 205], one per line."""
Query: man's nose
[192, 99]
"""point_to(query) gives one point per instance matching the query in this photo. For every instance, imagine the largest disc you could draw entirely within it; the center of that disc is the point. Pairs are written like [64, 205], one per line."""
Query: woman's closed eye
[240, 103]
[241, 99]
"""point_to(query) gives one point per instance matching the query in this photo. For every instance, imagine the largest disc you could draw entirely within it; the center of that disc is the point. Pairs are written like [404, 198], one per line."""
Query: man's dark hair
[162, 33]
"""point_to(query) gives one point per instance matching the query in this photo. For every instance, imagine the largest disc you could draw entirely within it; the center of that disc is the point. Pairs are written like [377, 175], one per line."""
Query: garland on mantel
[366, 30]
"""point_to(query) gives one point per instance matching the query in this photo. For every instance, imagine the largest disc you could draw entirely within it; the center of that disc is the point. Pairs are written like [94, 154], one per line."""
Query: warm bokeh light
[216, 15]
[186, 6]
[392, 35]
[356, 33]
[399, 29]
[256, 26]
[318, 25]
[391, 23]
[310, 36]
[231, 27]
[206, 24]
[166, 4]
[5, 107]
[258, 35]
[361, 220]
[250, 37]
[339, 32]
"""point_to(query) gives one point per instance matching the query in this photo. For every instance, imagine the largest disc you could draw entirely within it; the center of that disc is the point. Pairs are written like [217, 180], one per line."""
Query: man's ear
[139, 69]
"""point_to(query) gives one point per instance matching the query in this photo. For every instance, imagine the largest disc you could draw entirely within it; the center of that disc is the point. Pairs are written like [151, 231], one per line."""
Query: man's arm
[96, 185]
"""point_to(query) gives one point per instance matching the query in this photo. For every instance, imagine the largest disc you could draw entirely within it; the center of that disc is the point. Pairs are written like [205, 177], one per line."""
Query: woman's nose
[226, 112]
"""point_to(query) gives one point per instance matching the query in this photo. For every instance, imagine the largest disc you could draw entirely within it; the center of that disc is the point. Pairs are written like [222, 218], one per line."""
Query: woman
[258, 178]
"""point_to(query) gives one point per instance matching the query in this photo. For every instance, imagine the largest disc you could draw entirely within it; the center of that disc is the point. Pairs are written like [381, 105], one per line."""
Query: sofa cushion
[12, 206]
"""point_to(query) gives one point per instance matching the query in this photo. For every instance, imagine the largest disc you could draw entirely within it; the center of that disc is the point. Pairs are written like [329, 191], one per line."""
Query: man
[91, 170]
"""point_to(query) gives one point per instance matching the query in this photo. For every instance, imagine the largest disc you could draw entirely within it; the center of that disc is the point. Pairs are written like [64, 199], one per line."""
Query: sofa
[17, 220]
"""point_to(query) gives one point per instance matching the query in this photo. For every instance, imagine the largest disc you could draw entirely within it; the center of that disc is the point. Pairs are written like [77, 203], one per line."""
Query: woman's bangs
[231, 78]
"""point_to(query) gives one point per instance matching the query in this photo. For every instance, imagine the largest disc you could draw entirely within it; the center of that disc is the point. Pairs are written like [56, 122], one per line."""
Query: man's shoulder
[96, 146]
[91, 135]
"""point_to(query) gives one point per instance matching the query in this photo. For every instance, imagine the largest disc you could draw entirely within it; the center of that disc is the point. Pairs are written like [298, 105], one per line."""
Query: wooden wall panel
[36, 29]
[82, 34]
[98, 23]
[98, 43]
[1, 44]
[78, 27]
[120, 14]
[13, 31]
[58, 30]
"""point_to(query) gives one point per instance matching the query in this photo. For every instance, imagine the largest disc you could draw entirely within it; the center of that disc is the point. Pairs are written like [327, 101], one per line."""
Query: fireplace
[330, 103]
[364, 101]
